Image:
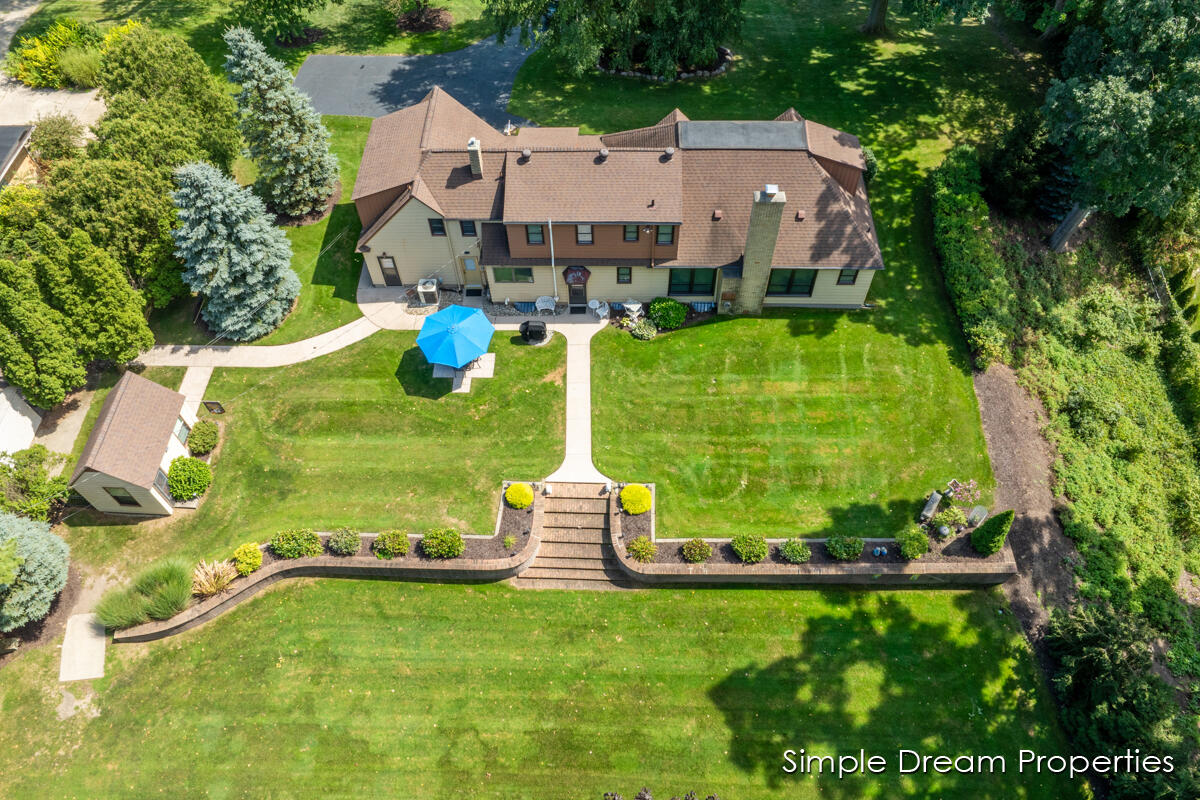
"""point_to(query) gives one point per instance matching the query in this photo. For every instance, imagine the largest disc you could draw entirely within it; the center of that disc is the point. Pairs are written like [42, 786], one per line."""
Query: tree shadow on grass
[881, 679]
[415, 375]
[872, 520]
[339, 264]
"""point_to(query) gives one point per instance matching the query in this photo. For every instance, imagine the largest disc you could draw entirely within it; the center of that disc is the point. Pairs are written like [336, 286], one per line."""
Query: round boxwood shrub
[344, 542]
[247, 558]
[298, 543]
[188, 478]
[635, 499]
[844, 548]
[989, 537]
[913, 541]
[443, 543]
[391, 544]
[795, 551]
[39, 574]
[644, 330]
[519, 495]
[667, 313]
[696, 550]
[203, 437]
[749, 547]
[642, 549]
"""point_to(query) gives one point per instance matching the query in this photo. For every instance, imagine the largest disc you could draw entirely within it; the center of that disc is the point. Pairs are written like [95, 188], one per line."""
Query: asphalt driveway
[480, 77]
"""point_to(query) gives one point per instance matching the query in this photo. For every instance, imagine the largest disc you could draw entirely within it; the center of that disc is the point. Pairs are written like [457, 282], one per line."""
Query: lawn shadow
[870, 520]
[339, 263]
[415, 375]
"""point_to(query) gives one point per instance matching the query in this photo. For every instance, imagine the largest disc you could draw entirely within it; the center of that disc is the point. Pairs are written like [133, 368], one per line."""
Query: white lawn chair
[545, 303]
[633, 309]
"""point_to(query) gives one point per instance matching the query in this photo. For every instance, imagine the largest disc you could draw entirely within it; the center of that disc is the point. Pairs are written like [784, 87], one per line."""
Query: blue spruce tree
[38, 577]
[283, 133]
[232, 254]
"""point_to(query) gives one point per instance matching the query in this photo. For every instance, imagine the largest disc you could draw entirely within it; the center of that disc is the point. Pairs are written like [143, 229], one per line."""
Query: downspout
[553, 271]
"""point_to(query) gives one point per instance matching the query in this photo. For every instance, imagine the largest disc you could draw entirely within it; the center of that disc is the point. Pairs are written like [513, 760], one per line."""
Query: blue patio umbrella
[455, 336]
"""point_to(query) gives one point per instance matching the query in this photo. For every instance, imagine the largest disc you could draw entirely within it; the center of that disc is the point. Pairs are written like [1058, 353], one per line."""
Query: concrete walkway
[82, 649]
[577, 465]
[480, 77]
[278, 355]
[192, 387]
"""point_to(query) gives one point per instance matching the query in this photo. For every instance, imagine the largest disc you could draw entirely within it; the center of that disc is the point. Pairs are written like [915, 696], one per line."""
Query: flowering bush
[965, 493]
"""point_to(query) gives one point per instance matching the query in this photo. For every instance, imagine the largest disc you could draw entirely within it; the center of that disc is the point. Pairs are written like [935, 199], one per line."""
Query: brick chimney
[473, 150]
[761, 234]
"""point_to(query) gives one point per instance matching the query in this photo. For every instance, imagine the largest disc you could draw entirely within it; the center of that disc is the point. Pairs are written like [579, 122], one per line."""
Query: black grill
[533, 331]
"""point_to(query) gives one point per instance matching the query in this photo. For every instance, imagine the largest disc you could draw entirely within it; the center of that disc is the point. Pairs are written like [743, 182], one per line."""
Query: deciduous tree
[26, 487]
[285, 20]
[924, 12]
[232, 254]
[284, 134]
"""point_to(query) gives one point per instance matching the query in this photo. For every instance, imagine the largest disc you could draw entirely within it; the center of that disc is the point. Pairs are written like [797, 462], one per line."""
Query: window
[793, 282]
[121, 495]
[666, 234]
[467, 226]
[533, 234]
[469, 264]
[583, 234]
[631, 233]
[437, 226]
[847, 277]
[692, 281]
[182, 430]
[624, 274]
[513, 274]
[160, 483]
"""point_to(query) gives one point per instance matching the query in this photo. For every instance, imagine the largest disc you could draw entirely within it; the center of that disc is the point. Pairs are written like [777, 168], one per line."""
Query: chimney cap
[771, 189]
[472, 142]
[718, 214]
[800, 215]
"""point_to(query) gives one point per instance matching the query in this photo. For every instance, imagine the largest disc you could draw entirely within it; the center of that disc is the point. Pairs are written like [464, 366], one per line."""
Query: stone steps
[578, 490]
[596, 522]
[561, 563]
[576, 505]
[571, 550]
[573, 535]
[575, 553]
[537, 572]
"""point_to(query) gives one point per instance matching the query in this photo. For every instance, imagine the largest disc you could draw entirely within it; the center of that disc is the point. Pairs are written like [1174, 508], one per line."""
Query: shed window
[533, 234]
[847, 277]
[121, 495]
[666, 234]
[160, 482]
[467, 226]
[437, 226]
[583, 234]
[792, 282]
[631, 233]
[692, 281]
[624, 274]
[182, 429]
[513, 274]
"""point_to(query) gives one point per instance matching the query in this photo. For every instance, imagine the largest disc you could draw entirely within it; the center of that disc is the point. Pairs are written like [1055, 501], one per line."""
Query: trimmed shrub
[443, 543]
[750, 547]
[203, 437]
[989, 537]
[55, 137]
[510, 542]
[667, 313]
[122, 608]
[247, 558]
[519, 495]
[188, 478]
[844, 548]
[872, 165]
[167, 587]
[80, 66]
[344, 542]
[40, 575]
[642, 549]
[696, 550]
[635, 499]
[212, 577]
[913, 542]
[391, 544]
[951, 517]
[36, 60]
[643, 329]
[298, 543]
[795, 551]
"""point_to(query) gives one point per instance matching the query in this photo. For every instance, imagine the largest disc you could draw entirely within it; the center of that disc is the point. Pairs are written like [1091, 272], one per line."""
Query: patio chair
[633, 309]
[546, 303]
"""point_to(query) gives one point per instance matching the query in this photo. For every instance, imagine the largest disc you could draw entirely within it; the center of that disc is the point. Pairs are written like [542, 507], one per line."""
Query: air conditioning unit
[427, 291]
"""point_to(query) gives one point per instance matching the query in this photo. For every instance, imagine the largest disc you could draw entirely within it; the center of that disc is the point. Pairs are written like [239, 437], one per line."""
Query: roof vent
[771, 190]
[670, 151]
[603, 153]
[525, 154]
[800, 216]
[717, 214]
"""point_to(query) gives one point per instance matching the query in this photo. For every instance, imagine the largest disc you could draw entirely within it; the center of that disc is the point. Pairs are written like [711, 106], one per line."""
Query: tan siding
[91, 487]
[826, 292]
[543, 285]
[418, 253]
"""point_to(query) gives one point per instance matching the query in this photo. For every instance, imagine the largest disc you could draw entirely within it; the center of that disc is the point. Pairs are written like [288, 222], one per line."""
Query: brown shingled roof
[579, 186]
[827, 142]
[661, 134]
[131, 434]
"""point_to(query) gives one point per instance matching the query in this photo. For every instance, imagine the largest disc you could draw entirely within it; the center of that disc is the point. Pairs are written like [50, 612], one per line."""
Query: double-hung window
[624, 274]
[631, 233]
[692, 281]
[583, 234]
[182, 429]
[437, 226]
[467, 227]
[666, 234]
[533, 234]
[160, 482]
[792, 282]
[847, 277]
[513, 274]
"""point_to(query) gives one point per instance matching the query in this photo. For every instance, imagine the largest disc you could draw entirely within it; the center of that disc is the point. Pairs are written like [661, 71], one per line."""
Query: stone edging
[994, 570]
[724, 55]
[455, 570]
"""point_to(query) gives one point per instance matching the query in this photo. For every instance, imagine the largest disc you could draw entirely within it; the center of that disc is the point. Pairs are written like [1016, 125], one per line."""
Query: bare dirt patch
[424, 20]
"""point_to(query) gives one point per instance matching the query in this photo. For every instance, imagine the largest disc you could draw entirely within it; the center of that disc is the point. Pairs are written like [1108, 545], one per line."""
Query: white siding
[418, 253]
[826, 291]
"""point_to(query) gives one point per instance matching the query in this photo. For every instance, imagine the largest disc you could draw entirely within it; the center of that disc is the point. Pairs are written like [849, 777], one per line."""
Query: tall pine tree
[232, 254]
[296, 171]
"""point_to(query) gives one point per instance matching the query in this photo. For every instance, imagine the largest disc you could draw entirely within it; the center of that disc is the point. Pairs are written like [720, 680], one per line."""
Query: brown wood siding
[845, 175]
[609, 242]
[371, 206]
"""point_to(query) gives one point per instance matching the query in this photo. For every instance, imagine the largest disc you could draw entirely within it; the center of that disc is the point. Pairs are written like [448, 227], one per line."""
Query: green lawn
[362, 437]
[322, 256]
[812, 422]
[353, 26]
[341, 688]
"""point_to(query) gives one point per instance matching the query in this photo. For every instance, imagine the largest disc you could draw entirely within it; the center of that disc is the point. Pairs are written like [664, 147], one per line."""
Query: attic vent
[670, 151]
[717, 214]
[799, 216]
[603, 153]
[526, 153]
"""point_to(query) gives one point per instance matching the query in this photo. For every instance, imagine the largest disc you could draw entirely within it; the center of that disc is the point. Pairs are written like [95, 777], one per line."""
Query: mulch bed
[51, 627]
[515, 521]
[315, 216]
[424, 20]
[634, 525]
[309, 36]
[489, 548]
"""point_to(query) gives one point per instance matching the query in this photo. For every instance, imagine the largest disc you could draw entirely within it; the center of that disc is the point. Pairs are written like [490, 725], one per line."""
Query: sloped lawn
[343, 688]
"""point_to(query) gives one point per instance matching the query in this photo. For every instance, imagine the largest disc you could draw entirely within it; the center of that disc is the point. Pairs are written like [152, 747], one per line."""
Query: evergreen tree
[159, 134]
[232, 254]
[41, 575]
[284, 134]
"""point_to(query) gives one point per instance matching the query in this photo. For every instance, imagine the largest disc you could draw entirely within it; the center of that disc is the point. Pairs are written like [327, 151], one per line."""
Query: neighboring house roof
[12, 141]
[131, 434]
[18, 420]
[420, 152]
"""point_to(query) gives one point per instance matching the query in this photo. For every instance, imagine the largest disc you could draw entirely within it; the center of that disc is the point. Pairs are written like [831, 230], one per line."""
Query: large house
[735, 216]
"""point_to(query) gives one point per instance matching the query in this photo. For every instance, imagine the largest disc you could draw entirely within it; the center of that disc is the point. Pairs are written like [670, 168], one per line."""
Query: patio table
[633, 309]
